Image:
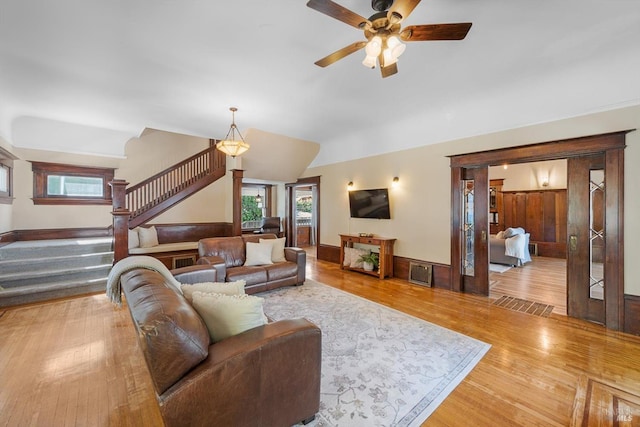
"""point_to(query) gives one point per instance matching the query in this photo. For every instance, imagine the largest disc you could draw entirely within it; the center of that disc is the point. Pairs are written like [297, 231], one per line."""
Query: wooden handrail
[149, 198]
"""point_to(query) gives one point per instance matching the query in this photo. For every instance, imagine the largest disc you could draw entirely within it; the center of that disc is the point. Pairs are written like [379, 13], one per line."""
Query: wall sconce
[545, 182]
[395, 182]
[349, 185]
[505, 166]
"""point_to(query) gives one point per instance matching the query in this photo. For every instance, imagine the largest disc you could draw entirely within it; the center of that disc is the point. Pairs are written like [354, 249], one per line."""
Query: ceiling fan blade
[338, 12]
[404, 7]
[414, 33]
[389, 70]
[339, 54]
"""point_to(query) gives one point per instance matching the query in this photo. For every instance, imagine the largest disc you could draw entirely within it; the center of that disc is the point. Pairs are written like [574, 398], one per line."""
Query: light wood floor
[542, 280]
[76, 361]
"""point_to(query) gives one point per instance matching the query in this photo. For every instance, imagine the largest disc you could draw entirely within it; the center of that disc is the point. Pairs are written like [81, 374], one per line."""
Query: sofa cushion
[227, 288]
[228, 315]
[277, 248]
[258, 254]
[148, 237]
[231, 249]
[281, 270]
[252, 275]
[173, 337]
[134, 240]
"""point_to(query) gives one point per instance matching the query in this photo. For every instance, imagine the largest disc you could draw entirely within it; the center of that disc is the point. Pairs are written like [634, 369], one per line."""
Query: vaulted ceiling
[85, 76]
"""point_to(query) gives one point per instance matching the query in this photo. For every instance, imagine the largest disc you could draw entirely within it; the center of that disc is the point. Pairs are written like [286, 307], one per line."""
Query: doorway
[471, 170]
[303, 214]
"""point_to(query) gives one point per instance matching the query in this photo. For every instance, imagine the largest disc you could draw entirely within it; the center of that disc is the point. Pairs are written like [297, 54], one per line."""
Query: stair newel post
[237, 201]
[120, 219]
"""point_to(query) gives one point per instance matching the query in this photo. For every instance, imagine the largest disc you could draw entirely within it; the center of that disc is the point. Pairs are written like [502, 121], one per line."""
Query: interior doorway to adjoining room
[302, 217]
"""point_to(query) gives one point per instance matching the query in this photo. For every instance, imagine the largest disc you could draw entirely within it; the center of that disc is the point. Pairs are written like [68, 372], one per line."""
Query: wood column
[237, 201]
[120, 219]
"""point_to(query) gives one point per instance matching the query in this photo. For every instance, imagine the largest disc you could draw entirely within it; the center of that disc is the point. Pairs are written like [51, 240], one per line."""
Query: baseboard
[401, 265]
[632, 314]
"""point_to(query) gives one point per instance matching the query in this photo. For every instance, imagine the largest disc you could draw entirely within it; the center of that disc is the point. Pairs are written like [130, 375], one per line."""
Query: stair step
[13, 266]
[44, 248]
[32, 277]
[44, 292]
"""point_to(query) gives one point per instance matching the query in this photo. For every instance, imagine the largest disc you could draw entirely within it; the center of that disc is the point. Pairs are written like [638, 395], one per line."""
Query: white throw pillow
[347, 256]
[148, 237]
[228, 315]
[258, 254]
[355, 257]
[500, 235]
[226, 288]
[512, 231]
[277, 248]
[134, 241]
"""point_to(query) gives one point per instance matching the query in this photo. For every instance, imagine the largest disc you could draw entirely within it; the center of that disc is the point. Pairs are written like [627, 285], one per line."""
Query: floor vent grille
[420, 273]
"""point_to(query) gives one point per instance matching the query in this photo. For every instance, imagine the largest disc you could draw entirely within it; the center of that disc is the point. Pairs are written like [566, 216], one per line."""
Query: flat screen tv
[370, 203]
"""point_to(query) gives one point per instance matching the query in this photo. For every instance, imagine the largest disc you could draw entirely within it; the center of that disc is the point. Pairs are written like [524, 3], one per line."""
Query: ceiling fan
[384, 33]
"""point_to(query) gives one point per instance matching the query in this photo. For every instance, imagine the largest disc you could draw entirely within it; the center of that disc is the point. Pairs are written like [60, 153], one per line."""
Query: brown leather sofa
[228, 254]
[266, 376]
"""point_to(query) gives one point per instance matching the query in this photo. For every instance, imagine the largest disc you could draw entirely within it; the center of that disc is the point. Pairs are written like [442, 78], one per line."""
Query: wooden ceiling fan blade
[414, 33]
[404, 7]
[339, 54]
[338, 12]
[389, 70]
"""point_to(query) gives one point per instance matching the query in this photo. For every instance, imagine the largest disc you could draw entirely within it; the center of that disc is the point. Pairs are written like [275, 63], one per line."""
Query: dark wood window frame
[42, 170]
[6, 163]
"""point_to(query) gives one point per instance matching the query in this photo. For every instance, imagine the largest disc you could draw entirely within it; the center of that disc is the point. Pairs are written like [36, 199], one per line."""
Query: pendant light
[229, 145]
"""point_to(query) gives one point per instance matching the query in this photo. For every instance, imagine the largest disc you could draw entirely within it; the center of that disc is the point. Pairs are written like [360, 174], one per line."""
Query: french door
[595, 226]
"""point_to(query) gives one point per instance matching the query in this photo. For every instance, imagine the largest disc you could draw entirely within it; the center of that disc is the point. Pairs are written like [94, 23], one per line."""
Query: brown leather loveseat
[228, 255]
[266, 376]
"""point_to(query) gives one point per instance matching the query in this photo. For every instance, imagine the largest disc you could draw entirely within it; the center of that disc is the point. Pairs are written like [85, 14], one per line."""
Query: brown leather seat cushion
[173, 337]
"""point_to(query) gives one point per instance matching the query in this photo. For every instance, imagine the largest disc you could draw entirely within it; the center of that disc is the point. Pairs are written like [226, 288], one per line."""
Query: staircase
[40, 270]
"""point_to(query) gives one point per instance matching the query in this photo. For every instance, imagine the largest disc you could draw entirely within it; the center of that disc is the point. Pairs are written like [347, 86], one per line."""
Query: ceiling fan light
[389, 59]
[369, 61]
[396, 46]
[374, 46]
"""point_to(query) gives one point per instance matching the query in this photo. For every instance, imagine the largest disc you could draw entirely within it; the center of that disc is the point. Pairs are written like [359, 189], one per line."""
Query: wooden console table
[385, 246]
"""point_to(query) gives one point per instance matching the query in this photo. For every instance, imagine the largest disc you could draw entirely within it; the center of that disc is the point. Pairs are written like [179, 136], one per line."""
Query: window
[256, 203]
[57, 184]
[6, 176]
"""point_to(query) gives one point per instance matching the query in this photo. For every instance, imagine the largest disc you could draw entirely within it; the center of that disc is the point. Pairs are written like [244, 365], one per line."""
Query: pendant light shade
[229, 145]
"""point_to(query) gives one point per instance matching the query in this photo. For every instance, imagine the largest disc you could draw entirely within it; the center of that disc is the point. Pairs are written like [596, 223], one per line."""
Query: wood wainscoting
[632, 314]
[441, 272]
[54, 233]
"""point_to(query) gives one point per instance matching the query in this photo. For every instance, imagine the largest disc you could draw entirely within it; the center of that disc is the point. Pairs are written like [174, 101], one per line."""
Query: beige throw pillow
[226, 288]
[148, 237]
[277, 248]
[134, 240]
[228, 315]
[257, 254]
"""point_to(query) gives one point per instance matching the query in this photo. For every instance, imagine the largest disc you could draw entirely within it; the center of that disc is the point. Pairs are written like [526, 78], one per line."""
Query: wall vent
[184, 261]
[420, 273]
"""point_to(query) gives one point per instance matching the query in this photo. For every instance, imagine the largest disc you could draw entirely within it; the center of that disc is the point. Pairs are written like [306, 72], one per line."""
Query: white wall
[530, 176]
[421, 205]
[147, 155]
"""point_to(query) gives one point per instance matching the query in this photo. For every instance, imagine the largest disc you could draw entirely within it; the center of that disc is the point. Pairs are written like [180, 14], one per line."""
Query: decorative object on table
[369, 261]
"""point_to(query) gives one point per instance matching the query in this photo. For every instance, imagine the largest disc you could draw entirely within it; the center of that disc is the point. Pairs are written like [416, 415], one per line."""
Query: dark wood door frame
[291, 207]
[612, 146]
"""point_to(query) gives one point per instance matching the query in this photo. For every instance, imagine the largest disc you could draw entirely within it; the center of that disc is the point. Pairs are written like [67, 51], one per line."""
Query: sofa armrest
[271, 372]
[217, 263]
[299, 256]
[195, 274]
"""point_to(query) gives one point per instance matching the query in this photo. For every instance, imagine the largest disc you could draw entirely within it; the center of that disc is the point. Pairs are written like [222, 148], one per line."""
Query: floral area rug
[380, 367]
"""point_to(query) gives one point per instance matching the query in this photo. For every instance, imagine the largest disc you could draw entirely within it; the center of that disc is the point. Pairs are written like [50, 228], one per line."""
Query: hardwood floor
[542, 280]
[76, 361]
